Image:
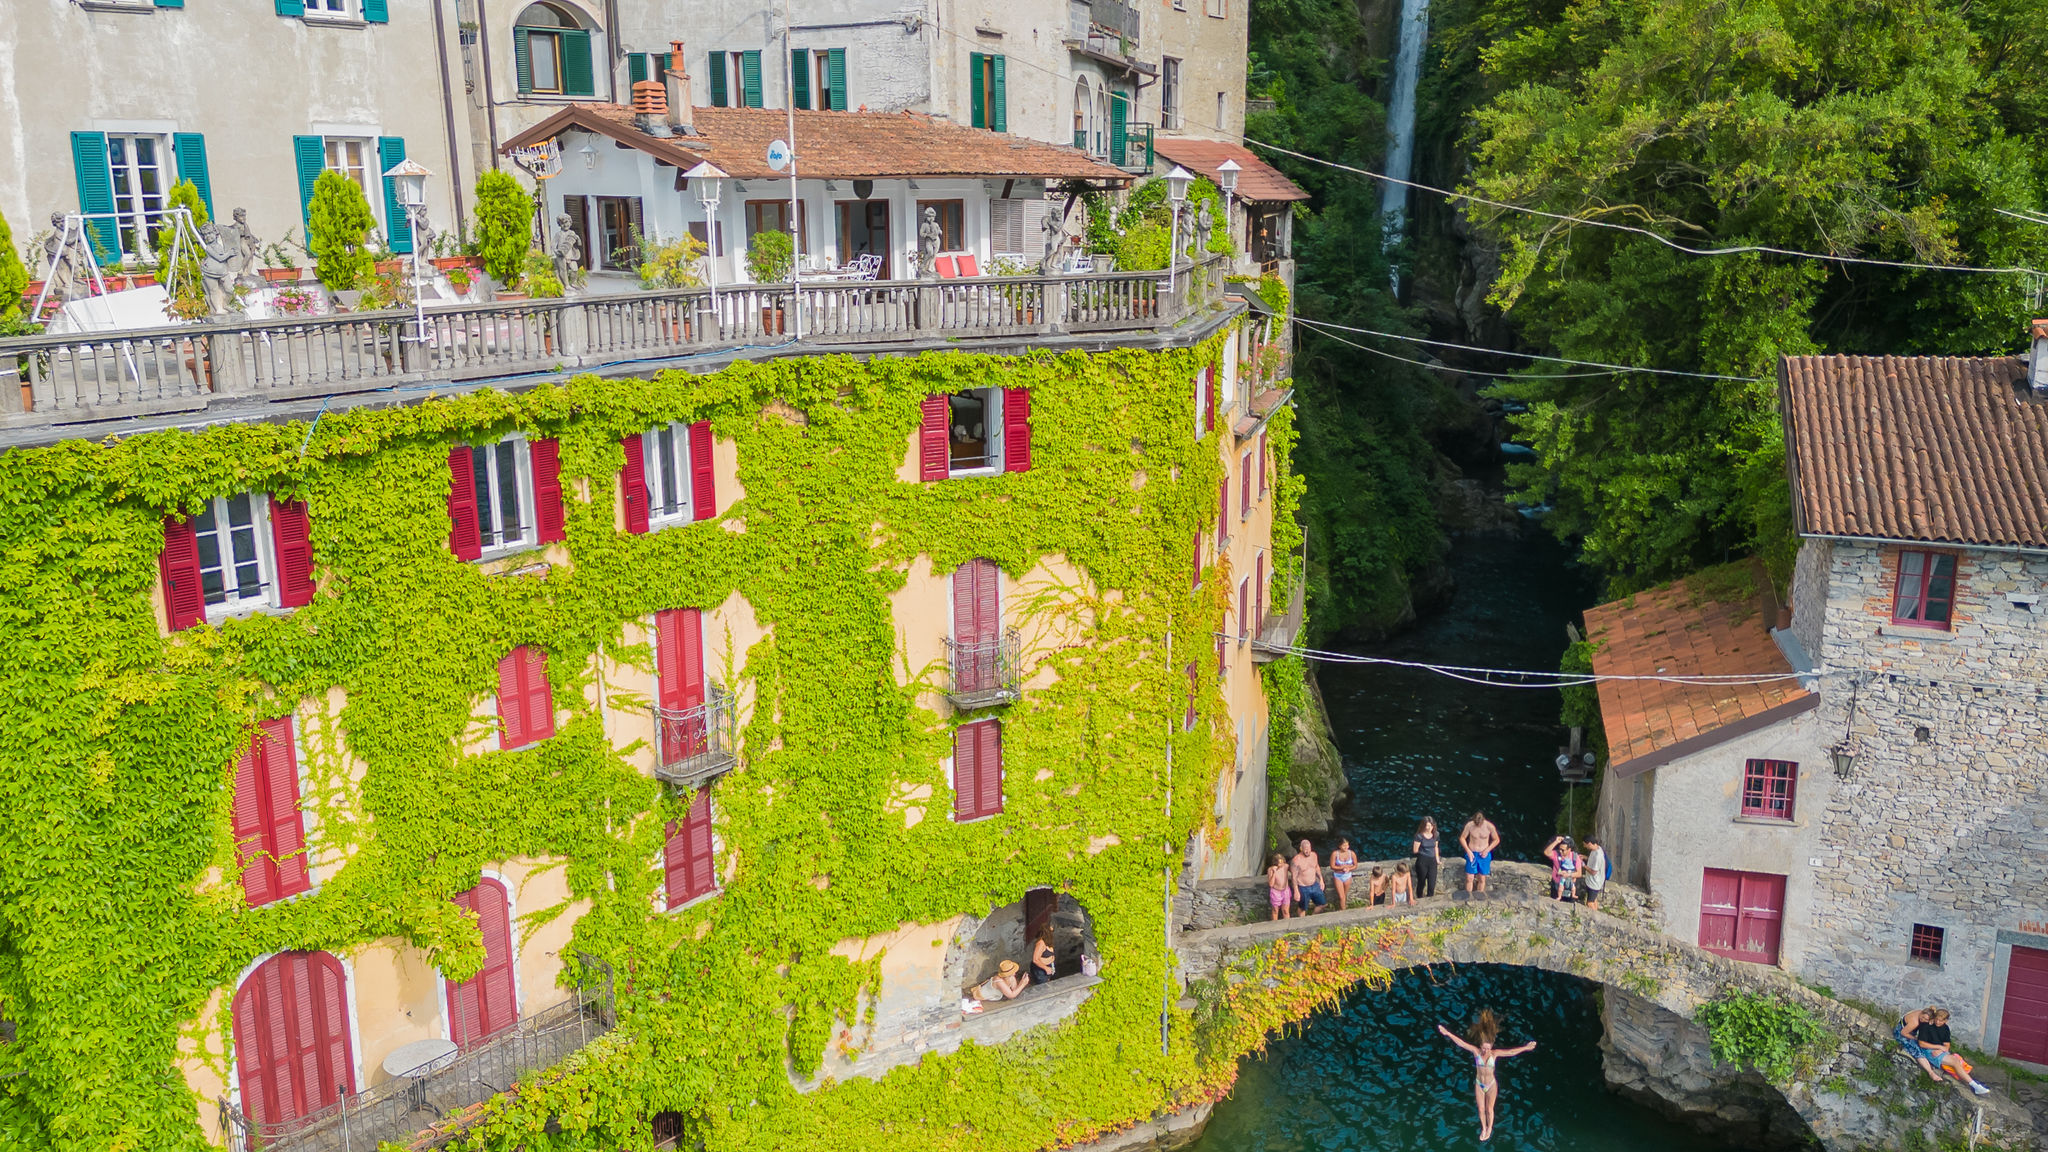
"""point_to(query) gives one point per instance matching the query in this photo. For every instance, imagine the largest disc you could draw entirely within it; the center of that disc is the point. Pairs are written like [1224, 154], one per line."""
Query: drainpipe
[612, 53]
[483, 52]
[448, 119]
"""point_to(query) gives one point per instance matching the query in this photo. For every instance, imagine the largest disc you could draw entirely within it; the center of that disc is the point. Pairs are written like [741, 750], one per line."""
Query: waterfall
[1401, 121]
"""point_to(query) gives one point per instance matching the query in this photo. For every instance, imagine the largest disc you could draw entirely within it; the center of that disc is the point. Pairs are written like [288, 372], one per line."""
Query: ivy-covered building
[644, 755]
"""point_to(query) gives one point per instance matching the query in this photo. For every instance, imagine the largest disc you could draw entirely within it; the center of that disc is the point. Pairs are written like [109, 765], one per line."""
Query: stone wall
[1941, 818]
[1666, 1062]
[1239, 901]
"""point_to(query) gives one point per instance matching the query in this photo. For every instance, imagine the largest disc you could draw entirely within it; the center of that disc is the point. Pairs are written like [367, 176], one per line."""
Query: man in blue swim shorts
[1308, 879]
[1479, 839]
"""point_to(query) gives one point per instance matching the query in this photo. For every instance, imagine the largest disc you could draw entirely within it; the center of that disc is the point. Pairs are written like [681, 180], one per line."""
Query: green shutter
[998, 116]
[577, 76]
[291, 7]
[190, 149]
[979, 118]
[96, 190]
[750, 77]
[170, 3]
[397, 228]
[1118, 115]
[835, 69]
[636, 67]
[522, 60]
[800, 78]
[376, 12]
[718, 79]
[311, 154]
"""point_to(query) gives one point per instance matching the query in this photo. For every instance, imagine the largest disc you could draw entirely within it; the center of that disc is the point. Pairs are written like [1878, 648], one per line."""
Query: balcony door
[618, 227]
[488, 1002]
[679, 679]
[291, 1039]
[977, 626]
[864, 230]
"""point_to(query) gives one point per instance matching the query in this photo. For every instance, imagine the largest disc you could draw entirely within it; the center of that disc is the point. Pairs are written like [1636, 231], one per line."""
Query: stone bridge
[1857, 1093]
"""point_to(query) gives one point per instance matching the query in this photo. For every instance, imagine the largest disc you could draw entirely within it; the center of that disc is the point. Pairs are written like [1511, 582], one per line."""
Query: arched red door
[291, 1037]
[485, 1004]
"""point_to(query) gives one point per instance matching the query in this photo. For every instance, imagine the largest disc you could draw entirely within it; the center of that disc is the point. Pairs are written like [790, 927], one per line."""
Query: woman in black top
[1426, 849]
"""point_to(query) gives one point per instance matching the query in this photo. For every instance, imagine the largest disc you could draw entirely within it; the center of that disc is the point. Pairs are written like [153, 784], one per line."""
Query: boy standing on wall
[1596, 871]
[1479, 839]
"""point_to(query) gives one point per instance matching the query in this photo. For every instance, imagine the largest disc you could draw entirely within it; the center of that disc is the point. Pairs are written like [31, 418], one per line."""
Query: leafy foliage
[1759, 1030]
[13, 274]
[338, 224]
[1892, 132]
[770, 256]
[124, 919]
[504, 224]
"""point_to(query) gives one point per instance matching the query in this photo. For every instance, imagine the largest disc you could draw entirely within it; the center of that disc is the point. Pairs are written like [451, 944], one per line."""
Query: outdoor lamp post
[1226, 179]
[706, 176]
[1177, 182]
[408, 181]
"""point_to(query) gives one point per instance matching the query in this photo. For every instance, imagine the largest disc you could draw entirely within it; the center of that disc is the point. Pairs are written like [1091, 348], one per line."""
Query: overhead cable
[1299, 319]
[1533, 679]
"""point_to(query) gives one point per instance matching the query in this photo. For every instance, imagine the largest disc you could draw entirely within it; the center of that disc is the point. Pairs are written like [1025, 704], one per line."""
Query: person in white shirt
[1596, 871]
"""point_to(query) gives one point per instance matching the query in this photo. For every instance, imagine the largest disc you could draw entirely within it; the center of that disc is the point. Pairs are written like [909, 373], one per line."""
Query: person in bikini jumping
[1485, 1088]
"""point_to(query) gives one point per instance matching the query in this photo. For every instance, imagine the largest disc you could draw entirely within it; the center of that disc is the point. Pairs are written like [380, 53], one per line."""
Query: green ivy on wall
[116, 922]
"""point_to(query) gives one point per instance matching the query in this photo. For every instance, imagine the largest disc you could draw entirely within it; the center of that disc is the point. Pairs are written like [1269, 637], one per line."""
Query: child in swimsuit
[1279, 889]
[1401, 886]
[1343, 865]
[1378, 885]
[1485, 1088]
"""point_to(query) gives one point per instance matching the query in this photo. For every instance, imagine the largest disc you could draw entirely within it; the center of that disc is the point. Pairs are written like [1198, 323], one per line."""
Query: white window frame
[522, 465]
[369, 176]
[1220, 9]
[133, 210]
[330, 9]
[1246, 507]
[236, 601]
[1243, 607]
[686, 509]
[992, 429]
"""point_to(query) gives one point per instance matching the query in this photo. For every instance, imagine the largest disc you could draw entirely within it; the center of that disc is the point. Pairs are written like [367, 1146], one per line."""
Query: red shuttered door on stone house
[291, 532]
[487, 1003]
[977, 770]
[633, 484]
[526, 705]
[679, 681]
[270, 831]
[1016, 429]
[184, 597]
[1742, 914]
[292, 1051]
[686, 857]
[977, 623]
[703, 494]
[2023, 1024]
[933, 462]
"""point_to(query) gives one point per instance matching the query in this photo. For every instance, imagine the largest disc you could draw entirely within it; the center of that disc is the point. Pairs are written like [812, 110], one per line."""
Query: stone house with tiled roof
[1880, 830]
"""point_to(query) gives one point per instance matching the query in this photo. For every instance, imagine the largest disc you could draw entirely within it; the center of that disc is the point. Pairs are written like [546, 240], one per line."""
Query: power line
[1533, 679]
[1528, 355]
[1438, 366]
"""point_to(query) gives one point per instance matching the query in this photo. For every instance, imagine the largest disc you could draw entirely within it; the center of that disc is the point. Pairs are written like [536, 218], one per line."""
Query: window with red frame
[1926, 590]
[688, 867]
[1926, 946]
[1767, 787]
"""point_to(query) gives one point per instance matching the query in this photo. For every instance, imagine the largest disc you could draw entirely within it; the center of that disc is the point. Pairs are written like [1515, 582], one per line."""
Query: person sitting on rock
[1004, 985]
[1930, 1035]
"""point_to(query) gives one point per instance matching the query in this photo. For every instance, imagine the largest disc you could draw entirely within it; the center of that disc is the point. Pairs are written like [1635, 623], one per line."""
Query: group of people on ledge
[1010, 980]
[1294, 887]
[1924, 1036]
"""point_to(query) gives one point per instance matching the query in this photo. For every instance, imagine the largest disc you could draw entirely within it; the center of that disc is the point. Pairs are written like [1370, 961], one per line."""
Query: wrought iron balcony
[402, 1107]
[696, 744]
[986, 673]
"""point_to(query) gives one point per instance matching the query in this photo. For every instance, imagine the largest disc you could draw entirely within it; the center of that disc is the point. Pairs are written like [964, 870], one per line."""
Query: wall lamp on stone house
[1845, 759]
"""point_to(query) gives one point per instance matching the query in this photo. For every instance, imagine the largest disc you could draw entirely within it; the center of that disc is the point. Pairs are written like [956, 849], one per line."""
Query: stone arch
[980, 944]
[555, 14]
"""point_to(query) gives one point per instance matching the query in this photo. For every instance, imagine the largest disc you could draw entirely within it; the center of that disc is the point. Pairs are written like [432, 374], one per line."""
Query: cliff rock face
[1316, 780]
[1665, 1061]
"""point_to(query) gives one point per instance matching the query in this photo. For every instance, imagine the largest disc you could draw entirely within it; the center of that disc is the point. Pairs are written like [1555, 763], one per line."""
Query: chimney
[2037, 363]
[680, 117]
[650, 107]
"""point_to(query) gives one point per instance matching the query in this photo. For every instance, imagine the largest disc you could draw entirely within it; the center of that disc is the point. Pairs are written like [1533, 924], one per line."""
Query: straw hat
[1007, 968]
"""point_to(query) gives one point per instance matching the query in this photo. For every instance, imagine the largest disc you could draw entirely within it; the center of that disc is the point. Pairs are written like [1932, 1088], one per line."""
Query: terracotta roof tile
[834, 145]
[1680, 629]
[1258, 181]
[1941, 449]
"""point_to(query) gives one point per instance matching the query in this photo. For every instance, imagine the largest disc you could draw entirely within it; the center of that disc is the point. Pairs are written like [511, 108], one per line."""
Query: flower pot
[771, 321]
[116, 283]
[31, 291]
[444, 263]
[390, 267]
[281, 275]
[512, 296]
[142, 280]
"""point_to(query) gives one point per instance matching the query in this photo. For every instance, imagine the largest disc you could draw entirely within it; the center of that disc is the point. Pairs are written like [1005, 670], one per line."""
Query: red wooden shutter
[1208, 400]
[540, 696]
[465, 539]
[291, 1037]
[1244, 485]
[703, 491]
[184, 599]
[1222, 653]
[976, 616]
[1265, 463]
[259, 871]
[1223, 509]
[1719, 891]
[526, 704]
[966, 772]
[633, 484]
[1762, 917]
[1016, 429]
[687, 858]
[1244, 610]
[989, 799]
[931, 440]
[487, 1003]
[292, 533]
[1198, 558]
[675, 865]
[1187, 721]
[1259, 595]
[286, 825]
[329, 988]
[548, 517]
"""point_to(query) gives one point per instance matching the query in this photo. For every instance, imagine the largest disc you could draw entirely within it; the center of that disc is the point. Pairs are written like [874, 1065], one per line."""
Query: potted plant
[278, 265]
[458, 278]
[337, 231]
[452, 250]
[770, 256]
[504, 225]
[295, 301]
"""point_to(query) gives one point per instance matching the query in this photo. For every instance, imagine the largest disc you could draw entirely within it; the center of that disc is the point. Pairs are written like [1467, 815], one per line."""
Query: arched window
[291, 1038]
[551, 52]
[488, 1002]
[1101, 122]
[1081, 113]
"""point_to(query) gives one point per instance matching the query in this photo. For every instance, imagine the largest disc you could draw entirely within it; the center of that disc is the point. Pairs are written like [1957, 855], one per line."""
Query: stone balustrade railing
[82, 377]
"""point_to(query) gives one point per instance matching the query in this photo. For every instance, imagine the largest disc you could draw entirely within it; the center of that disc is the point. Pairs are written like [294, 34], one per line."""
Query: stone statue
[1055, 241]
[568, 252]
[67, 260]
[247, 262]
[929, 237]
[217, 262]
[424, 237]
[1205, 222]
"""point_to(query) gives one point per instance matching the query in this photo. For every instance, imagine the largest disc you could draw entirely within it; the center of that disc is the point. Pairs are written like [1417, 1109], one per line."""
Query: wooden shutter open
[184, 597]
[292, 1037]
[1244, 485]
[397, 225]
[633, 484]
[1223, 509]
[933, 462]
[688, 862]
[95, 174]
[835, 74]
[309, 153]
[548, 517]
[989, 788]
[376, 12]
[1198, 559]
[998, 111]
[978, 99]
[966, 772]
[1244, 610]
[800, 76]
[703, 483]
[291, 533]
[750, 77]
[1259, 595]
[465, 537]
[540, 696]
[1265, 465]
[716, 64]
[487, 1003]
[259, 871]
[285, 825]
[579, 77]
[1209, 400]
[522, 60]
[1016, 429]
[190, 149]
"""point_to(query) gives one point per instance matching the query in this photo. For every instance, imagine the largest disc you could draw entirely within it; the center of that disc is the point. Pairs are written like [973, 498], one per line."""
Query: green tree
[1882, 131]
[338, 225]
[184, 279]
[13, 275]
[504, 225]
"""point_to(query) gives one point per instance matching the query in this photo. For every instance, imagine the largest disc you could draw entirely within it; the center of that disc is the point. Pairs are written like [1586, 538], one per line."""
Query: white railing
[81, 377]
